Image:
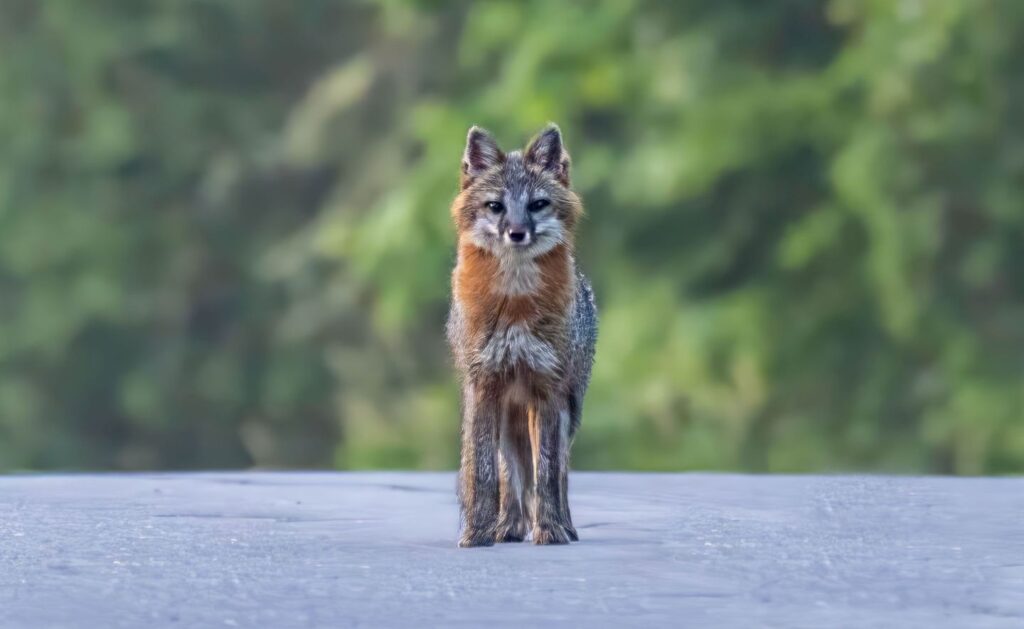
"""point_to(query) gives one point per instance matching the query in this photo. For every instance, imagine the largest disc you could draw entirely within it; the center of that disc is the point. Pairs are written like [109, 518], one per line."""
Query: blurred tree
[224, 236]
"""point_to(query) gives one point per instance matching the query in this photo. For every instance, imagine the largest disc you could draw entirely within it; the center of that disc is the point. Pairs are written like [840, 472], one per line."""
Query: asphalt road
[378, 550]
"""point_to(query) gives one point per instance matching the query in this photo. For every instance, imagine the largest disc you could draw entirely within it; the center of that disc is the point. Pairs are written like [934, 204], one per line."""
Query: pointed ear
[547, 152]
[481, 154]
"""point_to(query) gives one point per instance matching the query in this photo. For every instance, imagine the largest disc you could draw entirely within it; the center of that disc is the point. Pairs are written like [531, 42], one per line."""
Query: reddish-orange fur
[474, 283]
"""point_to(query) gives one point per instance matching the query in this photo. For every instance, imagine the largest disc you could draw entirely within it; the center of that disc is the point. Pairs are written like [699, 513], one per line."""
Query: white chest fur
[516, 344]
[517, 275]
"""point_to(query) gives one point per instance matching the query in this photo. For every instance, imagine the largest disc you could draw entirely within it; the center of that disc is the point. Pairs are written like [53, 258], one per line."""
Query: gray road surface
[378, 550]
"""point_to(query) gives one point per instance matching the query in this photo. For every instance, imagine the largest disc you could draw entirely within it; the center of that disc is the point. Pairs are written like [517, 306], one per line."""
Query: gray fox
[522, 330]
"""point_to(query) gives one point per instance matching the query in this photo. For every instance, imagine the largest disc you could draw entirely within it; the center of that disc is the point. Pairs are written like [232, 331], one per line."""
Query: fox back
[522, 329]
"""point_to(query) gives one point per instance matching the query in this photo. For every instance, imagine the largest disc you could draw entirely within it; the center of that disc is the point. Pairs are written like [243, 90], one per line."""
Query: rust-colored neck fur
[484, 304]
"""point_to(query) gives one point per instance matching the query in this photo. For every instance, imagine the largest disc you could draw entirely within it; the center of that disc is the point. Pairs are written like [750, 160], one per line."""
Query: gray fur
[515, 187]
[514, 344]
[582, 343]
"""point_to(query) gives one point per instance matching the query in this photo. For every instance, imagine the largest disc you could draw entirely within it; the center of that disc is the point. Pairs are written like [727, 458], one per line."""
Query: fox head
[518, 203]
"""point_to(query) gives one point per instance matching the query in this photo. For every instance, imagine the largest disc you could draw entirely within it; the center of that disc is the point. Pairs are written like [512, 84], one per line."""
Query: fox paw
[570, 530]
[514, 531]
[476, 537]
[550, 533]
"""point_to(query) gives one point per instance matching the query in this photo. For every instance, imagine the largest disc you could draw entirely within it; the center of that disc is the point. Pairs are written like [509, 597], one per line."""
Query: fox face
[516, 205]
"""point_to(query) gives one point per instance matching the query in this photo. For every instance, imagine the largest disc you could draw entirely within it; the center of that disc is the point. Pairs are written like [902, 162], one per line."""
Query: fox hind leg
[549, 423]
[570, 422]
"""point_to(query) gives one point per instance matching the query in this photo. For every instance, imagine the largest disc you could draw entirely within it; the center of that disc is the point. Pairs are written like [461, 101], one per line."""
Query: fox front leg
[478, 472]
[516, 474]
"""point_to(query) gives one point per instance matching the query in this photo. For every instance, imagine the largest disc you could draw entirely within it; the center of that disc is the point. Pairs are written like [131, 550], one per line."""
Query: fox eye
[538, 205]
[495, 206]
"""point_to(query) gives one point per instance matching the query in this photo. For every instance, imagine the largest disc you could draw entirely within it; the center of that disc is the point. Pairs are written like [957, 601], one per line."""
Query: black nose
[516, 236]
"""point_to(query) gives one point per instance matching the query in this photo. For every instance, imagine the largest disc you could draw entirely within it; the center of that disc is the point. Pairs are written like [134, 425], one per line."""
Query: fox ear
[481, 154]
[547, 152]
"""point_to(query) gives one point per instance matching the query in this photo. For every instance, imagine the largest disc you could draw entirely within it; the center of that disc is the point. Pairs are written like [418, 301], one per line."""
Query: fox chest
[517, 345]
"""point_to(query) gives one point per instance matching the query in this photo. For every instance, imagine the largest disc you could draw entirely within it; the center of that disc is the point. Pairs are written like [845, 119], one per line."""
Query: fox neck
[513, 288]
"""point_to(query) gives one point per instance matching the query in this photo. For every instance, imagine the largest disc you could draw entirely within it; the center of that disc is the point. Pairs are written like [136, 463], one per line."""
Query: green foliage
[224, 237]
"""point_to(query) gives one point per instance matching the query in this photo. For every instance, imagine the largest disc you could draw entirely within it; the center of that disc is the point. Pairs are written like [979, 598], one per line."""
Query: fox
[522, 328]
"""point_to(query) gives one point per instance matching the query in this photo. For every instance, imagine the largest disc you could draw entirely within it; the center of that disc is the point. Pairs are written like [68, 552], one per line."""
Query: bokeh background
[225, 240]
